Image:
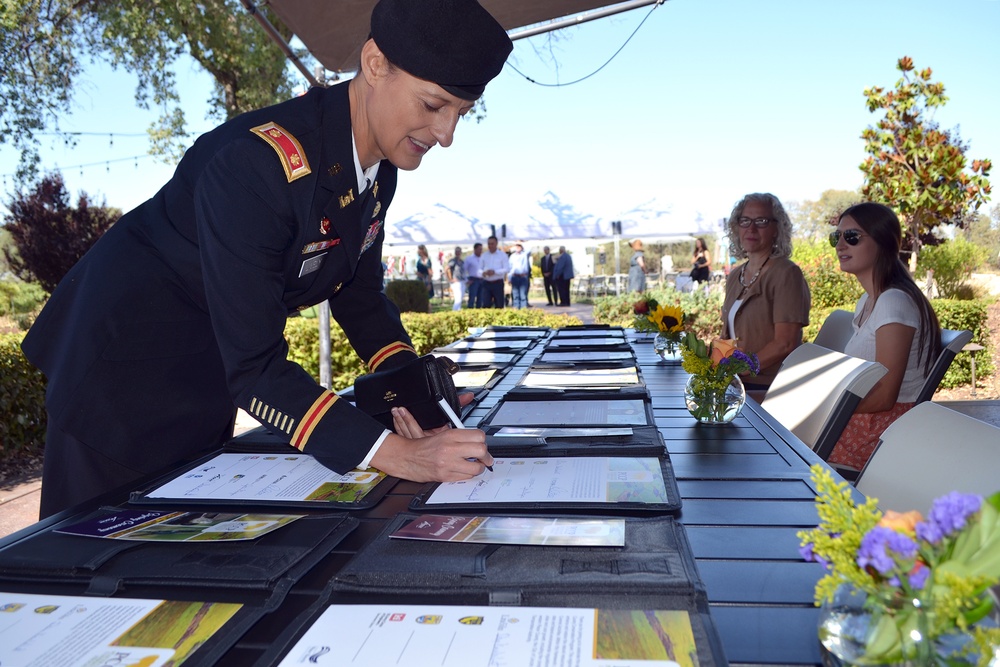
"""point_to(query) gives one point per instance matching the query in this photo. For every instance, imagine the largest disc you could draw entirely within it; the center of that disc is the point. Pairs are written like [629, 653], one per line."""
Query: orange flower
[722, 348]
[901, 522]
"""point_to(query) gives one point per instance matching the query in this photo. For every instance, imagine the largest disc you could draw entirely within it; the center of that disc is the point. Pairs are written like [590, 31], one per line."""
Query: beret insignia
[287, 147]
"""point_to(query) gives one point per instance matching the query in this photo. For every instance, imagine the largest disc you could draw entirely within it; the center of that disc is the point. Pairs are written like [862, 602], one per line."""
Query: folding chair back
[837, 329]
[952, 343]
[928, 452]
[815, 392]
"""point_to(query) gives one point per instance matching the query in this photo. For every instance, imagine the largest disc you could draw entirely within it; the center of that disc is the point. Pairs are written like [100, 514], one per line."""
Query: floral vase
[666, 348]
[851, 634]
[710, 404]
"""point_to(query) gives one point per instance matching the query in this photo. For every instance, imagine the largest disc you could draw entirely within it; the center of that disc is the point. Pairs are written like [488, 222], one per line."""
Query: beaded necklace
[746, 286]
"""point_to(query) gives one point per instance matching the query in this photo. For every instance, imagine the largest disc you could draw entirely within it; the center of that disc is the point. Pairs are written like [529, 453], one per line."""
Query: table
[746, 492]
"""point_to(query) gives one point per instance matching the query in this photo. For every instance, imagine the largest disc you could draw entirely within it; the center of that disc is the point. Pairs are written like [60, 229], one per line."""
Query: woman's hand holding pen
[443, 454]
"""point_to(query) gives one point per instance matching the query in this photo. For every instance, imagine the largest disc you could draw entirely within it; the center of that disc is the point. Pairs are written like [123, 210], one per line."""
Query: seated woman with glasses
[894, 325]
[767, 298]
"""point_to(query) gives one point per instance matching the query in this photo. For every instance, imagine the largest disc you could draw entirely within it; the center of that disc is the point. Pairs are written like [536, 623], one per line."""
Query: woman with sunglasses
[767, 298]
[894, 325]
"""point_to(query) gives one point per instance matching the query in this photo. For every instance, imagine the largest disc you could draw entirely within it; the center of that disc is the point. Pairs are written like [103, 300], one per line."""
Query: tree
[915, 166]
[814, 219]
[49, 235]
[44, 45]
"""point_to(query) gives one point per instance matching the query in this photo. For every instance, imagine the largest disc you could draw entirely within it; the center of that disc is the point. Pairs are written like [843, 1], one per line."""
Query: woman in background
[636, 267]
[425, 269]
[894, 325]
[767, 298]
[701, 263]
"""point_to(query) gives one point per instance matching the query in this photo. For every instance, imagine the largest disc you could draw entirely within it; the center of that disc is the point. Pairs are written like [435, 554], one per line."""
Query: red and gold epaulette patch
[288, 149]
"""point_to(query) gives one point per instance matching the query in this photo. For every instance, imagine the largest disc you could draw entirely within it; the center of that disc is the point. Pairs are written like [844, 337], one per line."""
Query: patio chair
[952, 343]
[928, 452]
[837, 329]
[815, 392]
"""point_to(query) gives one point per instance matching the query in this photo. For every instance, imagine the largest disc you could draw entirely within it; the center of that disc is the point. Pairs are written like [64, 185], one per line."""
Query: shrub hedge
[410, 296]
[703, 309]
[427, 331]
[22, 401]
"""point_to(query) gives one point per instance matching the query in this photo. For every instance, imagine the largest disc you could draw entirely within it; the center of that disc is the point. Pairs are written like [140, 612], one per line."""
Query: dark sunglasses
[851, 237]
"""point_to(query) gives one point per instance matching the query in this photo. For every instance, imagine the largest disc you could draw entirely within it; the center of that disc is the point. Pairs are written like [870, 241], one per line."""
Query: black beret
[454, 43]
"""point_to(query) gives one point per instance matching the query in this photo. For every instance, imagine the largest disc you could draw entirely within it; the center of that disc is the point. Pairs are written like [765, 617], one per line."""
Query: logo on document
[428, 619]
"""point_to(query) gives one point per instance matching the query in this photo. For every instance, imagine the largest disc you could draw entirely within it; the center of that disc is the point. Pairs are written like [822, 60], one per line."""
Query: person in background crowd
[701, 264]
[425, 269]
[455, 272]
[474, 273]
[562, 274]
[767, 299]
[495, 266]
[637, 267]
[174, 318]
[520, 276]
[547, 263]
[894, 325]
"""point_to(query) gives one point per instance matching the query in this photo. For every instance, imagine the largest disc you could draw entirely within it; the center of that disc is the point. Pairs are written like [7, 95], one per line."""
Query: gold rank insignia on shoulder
[345, 200]
[288, 148]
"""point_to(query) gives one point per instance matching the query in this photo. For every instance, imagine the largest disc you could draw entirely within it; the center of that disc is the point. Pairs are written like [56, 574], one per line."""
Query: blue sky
[711, 99]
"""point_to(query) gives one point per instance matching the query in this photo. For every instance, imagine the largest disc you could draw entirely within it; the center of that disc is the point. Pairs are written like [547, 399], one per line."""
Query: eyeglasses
[759, 223]
[851, 237]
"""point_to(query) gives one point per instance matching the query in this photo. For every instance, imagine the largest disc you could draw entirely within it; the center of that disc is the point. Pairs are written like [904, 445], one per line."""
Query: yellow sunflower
[669, 319]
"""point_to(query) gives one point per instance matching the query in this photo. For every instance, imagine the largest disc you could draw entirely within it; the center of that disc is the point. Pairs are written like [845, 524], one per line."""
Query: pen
[456, 422]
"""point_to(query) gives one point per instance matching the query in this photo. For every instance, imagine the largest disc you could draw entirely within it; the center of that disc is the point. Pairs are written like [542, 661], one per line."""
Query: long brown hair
[881, 224]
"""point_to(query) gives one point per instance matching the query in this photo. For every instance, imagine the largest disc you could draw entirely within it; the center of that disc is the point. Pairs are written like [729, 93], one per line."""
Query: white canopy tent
[549, 220]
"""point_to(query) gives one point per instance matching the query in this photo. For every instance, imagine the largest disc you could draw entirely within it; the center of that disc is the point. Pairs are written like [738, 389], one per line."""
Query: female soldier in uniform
[175, 317]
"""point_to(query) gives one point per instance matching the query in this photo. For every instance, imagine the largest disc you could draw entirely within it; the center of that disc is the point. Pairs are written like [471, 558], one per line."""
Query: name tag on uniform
[311, 265]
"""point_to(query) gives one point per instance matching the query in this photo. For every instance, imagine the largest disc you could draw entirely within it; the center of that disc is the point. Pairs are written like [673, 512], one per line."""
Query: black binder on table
[568, 376]
[492, 344]
[531, 421]
[653, 572]
[498, 331]
[258, 571]
[629, 488]
[589, 330]
[359, 493]
[584, 357]
[193, 578]
[466, 358]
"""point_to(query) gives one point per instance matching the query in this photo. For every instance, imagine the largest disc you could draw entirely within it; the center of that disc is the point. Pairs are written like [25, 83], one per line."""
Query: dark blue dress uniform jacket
[176, 315]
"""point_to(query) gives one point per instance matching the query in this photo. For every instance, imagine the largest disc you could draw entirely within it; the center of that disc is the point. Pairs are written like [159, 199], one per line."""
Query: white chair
[815, 392]
[952, 343]
[928, 452]
[837, 329]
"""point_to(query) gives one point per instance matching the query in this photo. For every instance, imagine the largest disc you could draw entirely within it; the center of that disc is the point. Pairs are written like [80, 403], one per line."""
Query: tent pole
[279, 40]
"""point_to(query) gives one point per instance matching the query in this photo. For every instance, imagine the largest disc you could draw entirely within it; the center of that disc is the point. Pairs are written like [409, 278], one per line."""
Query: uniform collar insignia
[345, 200]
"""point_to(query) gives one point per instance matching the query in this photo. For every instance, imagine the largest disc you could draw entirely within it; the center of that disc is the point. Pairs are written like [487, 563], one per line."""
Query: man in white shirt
[520, 276]
[474, 274]
[495, 266]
